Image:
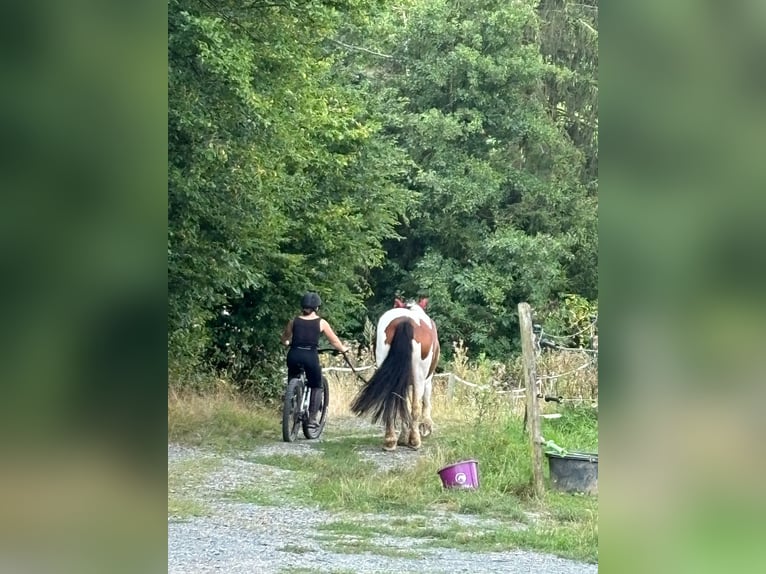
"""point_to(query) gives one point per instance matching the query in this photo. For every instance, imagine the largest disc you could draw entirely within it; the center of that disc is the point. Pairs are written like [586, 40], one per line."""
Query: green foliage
[572, 319]
[365, 149]
[278, 181]
[495, 103]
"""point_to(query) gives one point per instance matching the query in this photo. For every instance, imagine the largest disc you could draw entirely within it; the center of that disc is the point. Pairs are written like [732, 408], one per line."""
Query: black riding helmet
[311, 300]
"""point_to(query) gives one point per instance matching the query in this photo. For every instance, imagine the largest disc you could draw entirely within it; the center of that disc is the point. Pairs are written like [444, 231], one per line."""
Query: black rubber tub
[574, 472]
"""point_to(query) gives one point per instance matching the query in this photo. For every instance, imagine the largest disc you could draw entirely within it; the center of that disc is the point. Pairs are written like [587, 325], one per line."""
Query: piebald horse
[406, 354]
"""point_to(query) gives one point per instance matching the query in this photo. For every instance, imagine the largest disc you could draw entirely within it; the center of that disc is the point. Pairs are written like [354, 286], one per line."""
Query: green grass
[573, 540]
[258, 496]
[183, 478]
[576, 430]
[355, 545]
[221, 421]
[180, 508]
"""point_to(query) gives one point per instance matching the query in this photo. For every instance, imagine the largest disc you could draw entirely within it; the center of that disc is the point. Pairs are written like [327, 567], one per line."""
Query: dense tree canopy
[366, 148]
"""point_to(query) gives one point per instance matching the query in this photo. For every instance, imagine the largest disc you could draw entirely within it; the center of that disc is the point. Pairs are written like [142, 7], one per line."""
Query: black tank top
[306, 333]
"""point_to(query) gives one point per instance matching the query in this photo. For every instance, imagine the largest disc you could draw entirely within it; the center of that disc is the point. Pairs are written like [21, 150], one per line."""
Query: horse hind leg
[427, 424]
[416, 410]
[414, 439]
[404, 436]
[404, 433]
[389, 442]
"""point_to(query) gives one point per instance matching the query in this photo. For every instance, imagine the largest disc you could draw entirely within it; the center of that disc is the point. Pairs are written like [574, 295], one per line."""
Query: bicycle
[295, 410]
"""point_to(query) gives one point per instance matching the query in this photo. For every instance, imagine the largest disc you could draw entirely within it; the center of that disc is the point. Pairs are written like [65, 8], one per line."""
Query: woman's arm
[324, 327]
[287, 334]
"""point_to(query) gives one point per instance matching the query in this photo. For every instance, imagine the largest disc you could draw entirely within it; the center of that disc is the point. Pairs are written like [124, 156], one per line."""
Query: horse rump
[385, 394]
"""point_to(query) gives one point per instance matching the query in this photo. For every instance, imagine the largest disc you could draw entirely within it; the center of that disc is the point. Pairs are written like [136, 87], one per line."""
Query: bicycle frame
[297, 405]
[305, 395]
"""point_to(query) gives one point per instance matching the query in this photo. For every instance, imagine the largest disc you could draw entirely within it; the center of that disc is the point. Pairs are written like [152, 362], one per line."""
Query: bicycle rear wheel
[312, 432]
[291, 410]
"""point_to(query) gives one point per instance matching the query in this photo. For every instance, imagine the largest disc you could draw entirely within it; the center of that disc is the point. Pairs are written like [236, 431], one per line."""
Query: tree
[506, 210]
[278, 180]
[366, 149]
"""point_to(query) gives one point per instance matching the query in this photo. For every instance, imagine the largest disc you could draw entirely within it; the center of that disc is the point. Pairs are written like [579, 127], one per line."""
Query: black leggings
[309, 360]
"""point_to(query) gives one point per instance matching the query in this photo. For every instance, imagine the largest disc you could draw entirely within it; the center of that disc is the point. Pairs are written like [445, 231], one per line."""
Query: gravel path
[235, 537]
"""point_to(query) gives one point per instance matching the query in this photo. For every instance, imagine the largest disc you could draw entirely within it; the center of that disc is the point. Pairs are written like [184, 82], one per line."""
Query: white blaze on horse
[399, 393]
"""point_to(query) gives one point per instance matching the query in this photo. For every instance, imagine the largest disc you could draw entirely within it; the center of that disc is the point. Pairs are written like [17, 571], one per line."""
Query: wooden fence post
[451, 386]
[533, 410]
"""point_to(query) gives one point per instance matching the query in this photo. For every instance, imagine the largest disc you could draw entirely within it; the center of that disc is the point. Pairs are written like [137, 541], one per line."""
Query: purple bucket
[463, 474]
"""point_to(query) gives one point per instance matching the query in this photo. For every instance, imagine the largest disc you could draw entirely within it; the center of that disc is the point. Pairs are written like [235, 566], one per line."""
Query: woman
[302, 335]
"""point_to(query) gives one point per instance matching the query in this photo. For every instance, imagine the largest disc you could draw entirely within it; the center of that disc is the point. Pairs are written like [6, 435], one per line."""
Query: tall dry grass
[480, 391]
[220, 417]
[481, 387]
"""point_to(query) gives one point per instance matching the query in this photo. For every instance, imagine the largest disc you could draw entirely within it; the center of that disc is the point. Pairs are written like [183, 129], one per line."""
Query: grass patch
[576, 430]
[351, 544]
[272, 489]
[184, 477]
[258, 497]
[577, 540]
[222, 420]
[180, 508]
[343, 479]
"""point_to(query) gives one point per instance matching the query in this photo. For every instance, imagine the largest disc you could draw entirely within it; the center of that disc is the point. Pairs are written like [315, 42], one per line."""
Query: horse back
[424, 333]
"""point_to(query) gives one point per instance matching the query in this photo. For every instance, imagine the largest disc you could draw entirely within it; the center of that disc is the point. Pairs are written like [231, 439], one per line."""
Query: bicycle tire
[291, 410]
[313, 433]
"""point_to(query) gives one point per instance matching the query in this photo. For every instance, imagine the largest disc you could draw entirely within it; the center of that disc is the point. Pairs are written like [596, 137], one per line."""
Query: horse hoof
[425, 430]
[389, 448]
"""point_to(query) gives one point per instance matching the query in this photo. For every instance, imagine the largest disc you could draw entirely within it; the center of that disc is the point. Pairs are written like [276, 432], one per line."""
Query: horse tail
[385, 394]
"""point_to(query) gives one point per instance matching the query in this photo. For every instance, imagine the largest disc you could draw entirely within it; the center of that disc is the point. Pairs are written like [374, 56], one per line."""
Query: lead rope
[360, 377]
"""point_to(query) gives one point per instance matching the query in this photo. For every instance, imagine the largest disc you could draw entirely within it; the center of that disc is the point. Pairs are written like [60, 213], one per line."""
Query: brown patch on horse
[391, 329]
[424, 333]
[425, 336]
